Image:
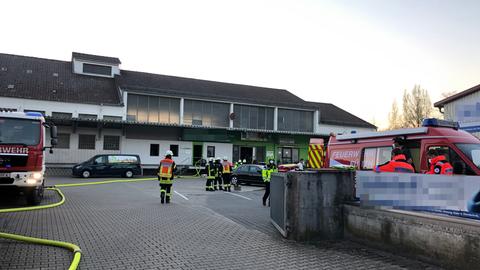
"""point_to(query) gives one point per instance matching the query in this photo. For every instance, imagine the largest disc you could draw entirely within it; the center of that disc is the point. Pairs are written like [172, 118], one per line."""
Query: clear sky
[358, 55]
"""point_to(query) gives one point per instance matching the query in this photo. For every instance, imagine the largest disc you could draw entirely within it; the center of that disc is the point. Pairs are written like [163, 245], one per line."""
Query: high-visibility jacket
[211, 171]
[227, 167]
[440, 165]
[165, 171]
[398, 164]
[267, 173]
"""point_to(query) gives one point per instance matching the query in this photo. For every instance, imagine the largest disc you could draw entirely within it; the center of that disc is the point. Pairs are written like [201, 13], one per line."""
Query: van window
[122, 159]
[375, 156]
[472, 151]
[459, 166]
[100, 160]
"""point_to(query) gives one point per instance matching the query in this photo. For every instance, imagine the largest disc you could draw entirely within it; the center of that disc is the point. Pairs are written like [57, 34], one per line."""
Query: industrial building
[100, 108]
[464, 108]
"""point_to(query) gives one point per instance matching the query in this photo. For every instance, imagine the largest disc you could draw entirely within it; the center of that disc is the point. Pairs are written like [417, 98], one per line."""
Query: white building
[464, 108]
[100, 108]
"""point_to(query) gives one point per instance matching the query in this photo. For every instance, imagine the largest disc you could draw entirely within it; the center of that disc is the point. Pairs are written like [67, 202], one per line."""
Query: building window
[210, 151]
[295, 120]
[63, 141]
[7, 110]
[174, 149]
[154, 150]
[153, 109]
[253, 117]
[86, 141]
[112, 118]
[61, 115]
[42, 112]
[97, 69]
[87, 116]
[204, 113]
[111, 142]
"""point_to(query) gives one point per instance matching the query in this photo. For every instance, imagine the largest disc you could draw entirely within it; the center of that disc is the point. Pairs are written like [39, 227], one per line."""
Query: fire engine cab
[22, 153]
[366, 150]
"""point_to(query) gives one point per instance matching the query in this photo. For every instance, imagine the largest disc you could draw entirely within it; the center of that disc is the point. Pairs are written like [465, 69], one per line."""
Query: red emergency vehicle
[366, 150]
[22, 153]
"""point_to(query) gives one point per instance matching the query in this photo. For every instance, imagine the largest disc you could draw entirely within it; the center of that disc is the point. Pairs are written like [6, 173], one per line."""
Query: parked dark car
[109, 165]
[248, 174]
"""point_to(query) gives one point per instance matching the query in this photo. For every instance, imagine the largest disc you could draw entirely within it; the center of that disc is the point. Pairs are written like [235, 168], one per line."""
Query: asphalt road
[124, 226]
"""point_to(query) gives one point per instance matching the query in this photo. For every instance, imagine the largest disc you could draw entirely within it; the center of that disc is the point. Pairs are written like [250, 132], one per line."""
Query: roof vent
[10, 86]
[55, 74]
[29, 71]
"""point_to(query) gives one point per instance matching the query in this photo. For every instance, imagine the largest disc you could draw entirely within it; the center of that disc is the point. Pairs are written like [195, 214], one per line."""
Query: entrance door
[246, 153]
[197, 153]
[260, 154]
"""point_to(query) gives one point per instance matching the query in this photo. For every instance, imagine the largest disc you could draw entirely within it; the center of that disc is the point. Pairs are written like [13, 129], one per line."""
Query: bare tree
[394, 117]
[416, 106]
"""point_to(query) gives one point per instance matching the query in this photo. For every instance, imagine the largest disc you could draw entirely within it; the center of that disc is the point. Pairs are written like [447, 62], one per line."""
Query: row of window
[64, 115]
[155, 150]
[87, 141]
[154, 109]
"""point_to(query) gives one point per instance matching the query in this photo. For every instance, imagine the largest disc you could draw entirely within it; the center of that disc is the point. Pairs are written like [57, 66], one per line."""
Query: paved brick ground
[124, 226]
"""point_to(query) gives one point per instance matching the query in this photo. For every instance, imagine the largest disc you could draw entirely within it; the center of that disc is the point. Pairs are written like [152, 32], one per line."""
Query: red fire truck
[364, 151]
[22, 153]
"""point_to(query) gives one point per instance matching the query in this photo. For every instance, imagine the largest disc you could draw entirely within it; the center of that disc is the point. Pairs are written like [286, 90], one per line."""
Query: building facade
[464, 108]
[100, 108]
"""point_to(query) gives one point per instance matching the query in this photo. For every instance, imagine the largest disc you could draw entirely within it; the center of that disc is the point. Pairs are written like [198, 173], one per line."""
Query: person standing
[218, 185]
[300, 166]
[166, 172]
[210, 175]
[438, 163]
[266, 175]
[226, 174]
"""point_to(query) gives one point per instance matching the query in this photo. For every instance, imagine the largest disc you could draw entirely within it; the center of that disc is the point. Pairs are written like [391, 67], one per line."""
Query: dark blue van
[109, 165]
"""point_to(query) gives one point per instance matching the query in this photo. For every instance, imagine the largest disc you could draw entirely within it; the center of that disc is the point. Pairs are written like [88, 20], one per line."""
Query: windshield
[19, 131]
[472, 151]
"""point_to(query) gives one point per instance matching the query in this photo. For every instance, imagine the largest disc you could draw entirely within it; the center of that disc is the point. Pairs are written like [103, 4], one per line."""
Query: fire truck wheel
[86, 174]
[34, 195]
[128, 174]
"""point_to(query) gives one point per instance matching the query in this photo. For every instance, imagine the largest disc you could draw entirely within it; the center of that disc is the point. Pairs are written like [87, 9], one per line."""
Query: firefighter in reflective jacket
[210, 175]
[165, 176]
[438, 163]
[218, 184]
[398, 163]
[226, 174]
[267, 175]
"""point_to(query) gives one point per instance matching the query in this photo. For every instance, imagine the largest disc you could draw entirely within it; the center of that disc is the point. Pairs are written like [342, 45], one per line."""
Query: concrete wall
[73, 155]
[221, 149]
[142, 148]
[313, 207]
[51, 106]
[451, 242]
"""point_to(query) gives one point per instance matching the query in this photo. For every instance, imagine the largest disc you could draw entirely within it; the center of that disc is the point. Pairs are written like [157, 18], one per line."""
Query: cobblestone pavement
[124, 226]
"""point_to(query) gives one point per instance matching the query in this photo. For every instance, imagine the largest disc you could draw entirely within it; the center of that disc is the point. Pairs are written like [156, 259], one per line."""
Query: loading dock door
[246, 153]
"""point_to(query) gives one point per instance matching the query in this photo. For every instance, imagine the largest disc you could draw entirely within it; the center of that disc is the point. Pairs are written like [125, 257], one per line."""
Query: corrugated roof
[331, 114]
[53, 80]
[195, 88]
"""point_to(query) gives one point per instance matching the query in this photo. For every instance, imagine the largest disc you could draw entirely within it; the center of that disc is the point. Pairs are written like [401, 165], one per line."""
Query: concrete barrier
[312, 203]
[449, 242]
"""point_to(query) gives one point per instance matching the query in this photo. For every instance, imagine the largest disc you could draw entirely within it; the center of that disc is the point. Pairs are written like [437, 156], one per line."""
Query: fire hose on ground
[77, 253]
